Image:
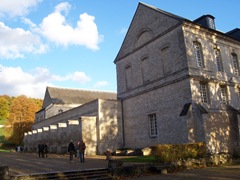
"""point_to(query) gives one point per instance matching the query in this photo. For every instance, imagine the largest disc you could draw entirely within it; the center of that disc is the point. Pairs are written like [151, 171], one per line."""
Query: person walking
[40, 149]
[45, 149]
[71, 150]
[81, 148]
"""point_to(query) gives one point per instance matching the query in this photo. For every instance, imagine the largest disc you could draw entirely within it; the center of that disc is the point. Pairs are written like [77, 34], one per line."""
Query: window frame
[235, 64]
[198, 54]
[223, 94]
[204, 92]
[218, 60]
[153, 130]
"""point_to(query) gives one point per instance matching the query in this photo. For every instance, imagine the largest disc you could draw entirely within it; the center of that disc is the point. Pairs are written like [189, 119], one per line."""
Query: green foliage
[140, 159]
[4, 150]
[173, 152]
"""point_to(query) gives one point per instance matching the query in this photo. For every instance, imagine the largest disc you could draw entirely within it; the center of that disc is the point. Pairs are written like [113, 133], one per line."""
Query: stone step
[90, 174]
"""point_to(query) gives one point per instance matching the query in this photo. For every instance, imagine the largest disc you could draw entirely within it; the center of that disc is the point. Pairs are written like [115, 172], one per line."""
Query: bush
[174, 152]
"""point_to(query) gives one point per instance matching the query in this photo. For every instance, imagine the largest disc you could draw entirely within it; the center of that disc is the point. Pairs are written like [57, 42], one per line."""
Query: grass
[4, 150]
[140, 159]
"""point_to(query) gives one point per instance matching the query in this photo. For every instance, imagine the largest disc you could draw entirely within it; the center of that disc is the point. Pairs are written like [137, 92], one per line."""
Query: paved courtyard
[27, 163]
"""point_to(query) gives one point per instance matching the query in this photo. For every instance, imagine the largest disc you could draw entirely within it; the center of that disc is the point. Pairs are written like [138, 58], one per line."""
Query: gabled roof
[56, 95]
[162, 11]
[139, 19]
[138, 16]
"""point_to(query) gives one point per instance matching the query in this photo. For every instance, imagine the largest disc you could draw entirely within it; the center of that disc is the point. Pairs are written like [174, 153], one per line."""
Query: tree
[4, 109]
[21, 118]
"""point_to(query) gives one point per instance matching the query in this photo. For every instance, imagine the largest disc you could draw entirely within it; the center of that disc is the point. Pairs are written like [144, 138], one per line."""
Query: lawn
[4, 150]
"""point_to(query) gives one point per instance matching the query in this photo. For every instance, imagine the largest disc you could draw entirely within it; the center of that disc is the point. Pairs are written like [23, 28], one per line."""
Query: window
[235, 64]
[153, 124]
[145, 69]
[198, 54]
[239, 93]
[238, 117]
[166, 60]
[128, 77]
[218, 60]
[223, 94]
[211, 23]
[203, 92]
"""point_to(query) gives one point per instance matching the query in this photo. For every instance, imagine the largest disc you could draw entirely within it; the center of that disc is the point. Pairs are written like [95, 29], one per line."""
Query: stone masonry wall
[167, 104]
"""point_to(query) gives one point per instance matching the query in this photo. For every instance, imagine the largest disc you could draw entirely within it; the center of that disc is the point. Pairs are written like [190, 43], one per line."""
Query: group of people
[78, 150]
[42, 149]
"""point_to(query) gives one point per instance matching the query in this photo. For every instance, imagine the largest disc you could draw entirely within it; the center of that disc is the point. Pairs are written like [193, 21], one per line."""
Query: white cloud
[15, 82]
[16, 42]
[14, 8]
[55, 28]
[79, 77]
[101, 84]
[28, 22]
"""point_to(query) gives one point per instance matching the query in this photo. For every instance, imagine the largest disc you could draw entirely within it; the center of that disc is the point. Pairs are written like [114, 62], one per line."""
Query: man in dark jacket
[81, 147]
[71, 150]
[40, 149]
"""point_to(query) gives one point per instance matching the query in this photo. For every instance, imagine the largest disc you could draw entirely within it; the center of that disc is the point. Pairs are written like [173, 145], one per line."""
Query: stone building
[178, 81]
[73, 114]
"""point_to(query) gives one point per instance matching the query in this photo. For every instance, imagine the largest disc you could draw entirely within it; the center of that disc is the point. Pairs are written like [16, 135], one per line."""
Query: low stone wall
[120, 168]
[4, 172]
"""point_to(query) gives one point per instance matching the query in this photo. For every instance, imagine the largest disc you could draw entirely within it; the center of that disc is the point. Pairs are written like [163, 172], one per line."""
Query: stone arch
[144, 36]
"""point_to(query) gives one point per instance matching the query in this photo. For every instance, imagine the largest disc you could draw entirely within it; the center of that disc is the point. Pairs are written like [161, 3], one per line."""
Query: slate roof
[76, 96]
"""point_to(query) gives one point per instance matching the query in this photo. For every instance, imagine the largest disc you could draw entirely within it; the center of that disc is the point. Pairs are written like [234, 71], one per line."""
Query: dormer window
[211, 23]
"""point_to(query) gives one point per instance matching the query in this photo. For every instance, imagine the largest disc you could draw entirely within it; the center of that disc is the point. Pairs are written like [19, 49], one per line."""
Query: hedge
[174, 152]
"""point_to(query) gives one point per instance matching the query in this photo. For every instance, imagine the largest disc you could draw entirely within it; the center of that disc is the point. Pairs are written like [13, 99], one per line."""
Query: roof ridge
[79, 89]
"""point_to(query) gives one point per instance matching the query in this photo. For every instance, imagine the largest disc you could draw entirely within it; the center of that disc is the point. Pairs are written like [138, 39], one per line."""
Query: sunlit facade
[191, 93]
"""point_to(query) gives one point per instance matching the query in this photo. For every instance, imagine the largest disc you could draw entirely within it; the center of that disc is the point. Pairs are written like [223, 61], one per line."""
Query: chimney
[206, 21]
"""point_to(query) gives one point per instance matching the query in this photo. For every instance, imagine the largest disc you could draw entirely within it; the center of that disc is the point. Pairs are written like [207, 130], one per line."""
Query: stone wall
[157, 73]
[167, 105]
[90, 122]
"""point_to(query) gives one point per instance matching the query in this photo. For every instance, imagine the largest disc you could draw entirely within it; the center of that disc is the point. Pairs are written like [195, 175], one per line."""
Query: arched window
[166, 60]
[128, 74]
[145, 69]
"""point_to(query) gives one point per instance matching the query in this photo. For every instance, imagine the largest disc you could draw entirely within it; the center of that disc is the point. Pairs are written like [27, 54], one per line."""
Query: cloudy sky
[73, 43]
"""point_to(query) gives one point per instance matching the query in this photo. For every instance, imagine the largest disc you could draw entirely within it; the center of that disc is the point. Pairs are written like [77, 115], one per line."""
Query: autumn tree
[21, 118]
[4, 108]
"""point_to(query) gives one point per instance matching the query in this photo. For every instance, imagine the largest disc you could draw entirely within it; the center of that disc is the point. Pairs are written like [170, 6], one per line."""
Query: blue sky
[73, 43]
